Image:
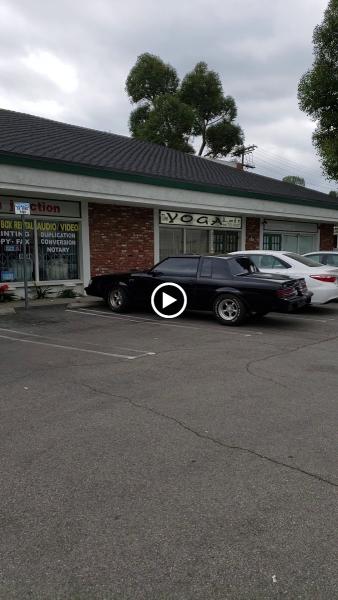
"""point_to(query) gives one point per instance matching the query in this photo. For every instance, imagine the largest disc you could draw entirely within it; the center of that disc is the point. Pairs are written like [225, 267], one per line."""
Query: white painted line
[74, 348]
[27, 334]
[297, 318]
[141, 320]
[20, 332]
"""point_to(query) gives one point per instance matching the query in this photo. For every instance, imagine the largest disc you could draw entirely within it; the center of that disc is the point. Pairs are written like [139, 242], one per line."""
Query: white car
[321, 280]
[325, 257]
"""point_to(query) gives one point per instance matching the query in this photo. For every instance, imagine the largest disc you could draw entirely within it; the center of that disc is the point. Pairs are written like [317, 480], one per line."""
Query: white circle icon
[168, 300]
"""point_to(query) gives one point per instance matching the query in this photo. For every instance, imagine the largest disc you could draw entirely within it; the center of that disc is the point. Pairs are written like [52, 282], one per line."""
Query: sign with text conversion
[199, 220]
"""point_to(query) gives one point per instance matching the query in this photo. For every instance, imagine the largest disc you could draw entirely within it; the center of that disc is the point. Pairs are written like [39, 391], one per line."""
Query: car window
[242, 266]
[206, 267]
[303, 260]
[332, 260]
[184, 266]
[317, 258]
[220, 269]
[268, 261]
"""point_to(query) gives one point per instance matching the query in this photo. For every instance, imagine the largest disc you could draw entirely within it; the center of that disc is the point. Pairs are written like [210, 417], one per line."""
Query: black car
[232, 287]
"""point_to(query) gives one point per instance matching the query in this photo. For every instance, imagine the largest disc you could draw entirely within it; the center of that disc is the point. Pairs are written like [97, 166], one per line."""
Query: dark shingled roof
[24, 136]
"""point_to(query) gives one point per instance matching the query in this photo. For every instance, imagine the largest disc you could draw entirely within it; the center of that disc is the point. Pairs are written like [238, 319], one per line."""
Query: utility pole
[243, 151]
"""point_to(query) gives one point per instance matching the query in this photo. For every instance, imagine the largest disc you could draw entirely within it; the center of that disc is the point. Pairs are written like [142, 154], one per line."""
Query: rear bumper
[291, 305]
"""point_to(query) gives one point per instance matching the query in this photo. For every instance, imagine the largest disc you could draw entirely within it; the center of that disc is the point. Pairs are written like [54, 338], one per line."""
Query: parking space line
[141, 320]
[74, 348]
[297, 318]
[27, 334]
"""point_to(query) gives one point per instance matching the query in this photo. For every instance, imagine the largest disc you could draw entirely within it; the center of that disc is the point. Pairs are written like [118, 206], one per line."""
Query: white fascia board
[23, 180]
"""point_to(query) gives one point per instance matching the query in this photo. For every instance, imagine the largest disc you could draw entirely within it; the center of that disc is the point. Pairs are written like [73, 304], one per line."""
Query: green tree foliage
[149, 78]
[295, 179]
[333, 193]
[214, 113]
[318, 90]
[170, 114]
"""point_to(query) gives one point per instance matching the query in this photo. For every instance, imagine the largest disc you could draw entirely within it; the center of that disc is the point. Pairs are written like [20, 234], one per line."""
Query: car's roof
[198, 256]
[321, 252]
[281, 252]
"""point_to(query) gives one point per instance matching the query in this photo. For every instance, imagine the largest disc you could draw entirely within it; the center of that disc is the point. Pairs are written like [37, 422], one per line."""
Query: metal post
[24, 260]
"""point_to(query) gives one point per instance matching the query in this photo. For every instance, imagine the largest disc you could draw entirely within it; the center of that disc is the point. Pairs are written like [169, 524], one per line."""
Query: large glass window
[58, 245]
[185, 240]
[52, 250]
[197, 241]
[171, 241]
[11, 250]
[225, 241]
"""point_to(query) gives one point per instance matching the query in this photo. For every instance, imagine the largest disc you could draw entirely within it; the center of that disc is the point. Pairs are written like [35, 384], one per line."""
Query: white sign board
[199, 220]
[22, 208]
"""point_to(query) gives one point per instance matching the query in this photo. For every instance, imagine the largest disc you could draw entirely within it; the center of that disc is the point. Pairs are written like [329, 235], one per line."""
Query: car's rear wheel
[117, 299]
[229, 310]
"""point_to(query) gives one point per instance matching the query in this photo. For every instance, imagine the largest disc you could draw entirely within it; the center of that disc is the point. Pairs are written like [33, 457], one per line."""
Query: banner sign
[199, 220]
[41, 207]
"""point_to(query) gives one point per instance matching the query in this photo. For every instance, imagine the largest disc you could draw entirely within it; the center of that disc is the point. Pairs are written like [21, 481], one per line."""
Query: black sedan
[232, 287]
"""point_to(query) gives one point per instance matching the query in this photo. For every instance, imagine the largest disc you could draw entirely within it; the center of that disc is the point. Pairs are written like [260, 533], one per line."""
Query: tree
[333, 193]
[168, 123]
[214, 113]
[295, 179]
[170, 114]
[149, 78]
[318, 90]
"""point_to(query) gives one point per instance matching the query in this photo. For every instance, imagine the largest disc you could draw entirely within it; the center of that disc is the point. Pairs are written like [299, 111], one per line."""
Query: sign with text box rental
[22, 208]
[199, 220]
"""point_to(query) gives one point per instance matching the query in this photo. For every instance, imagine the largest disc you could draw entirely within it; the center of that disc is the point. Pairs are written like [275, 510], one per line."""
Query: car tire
[117, 299]
[229, 309]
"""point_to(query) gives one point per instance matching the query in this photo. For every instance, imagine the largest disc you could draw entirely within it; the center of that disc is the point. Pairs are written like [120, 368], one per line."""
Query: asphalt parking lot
[144, 458]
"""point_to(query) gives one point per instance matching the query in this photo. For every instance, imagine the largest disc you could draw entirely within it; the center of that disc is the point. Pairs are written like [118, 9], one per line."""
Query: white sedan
[321, 280]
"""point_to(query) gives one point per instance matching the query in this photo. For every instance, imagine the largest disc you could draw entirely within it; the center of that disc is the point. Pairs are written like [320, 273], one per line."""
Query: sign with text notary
[199, 220]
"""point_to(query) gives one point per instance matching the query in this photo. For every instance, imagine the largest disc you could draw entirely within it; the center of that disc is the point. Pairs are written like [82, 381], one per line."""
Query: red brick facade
[326, 237]
[121, 238]
[253, 227]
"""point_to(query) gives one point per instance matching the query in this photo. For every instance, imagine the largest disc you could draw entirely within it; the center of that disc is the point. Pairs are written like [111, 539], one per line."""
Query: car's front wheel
[117, 299]
[229, 310]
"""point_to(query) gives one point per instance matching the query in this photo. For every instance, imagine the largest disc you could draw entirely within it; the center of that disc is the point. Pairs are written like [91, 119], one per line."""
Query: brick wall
[252, 233]
[121, 238]
[326, 237]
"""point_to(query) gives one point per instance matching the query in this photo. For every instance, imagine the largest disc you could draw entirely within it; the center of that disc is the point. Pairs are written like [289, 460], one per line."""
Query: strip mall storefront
[52, 234]
[69, 241]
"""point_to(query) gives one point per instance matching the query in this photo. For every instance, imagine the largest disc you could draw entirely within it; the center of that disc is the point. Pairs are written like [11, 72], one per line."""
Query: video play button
[162, 301]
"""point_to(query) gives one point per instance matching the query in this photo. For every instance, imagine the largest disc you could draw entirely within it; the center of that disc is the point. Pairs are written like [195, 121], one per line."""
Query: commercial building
[102, 202]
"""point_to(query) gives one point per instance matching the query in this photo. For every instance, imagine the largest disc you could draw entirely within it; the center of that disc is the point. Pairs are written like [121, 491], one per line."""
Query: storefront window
[58, 245]
[225, 241]
[11, 250]
[52, 250]
[197, 241]
[171, 241]
[179, 240]
[292, 242]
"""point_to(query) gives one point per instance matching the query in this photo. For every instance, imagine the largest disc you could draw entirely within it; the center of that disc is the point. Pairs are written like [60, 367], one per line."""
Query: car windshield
[303, 260]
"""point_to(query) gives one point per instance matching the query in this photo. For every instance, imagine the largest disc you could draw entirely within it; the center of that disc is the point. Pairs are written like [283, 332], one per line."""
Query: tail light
[325, 278]
[286, 292]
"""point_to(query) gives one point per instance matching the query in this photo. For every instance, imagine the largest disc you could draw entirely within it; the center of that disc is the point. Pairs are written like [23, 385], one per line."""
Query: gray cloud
[259, 48]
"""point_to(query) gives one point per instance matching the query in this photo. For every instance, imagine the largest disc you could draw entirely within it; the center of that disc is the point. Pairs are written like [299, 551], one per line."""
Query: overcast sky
[68, 60]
